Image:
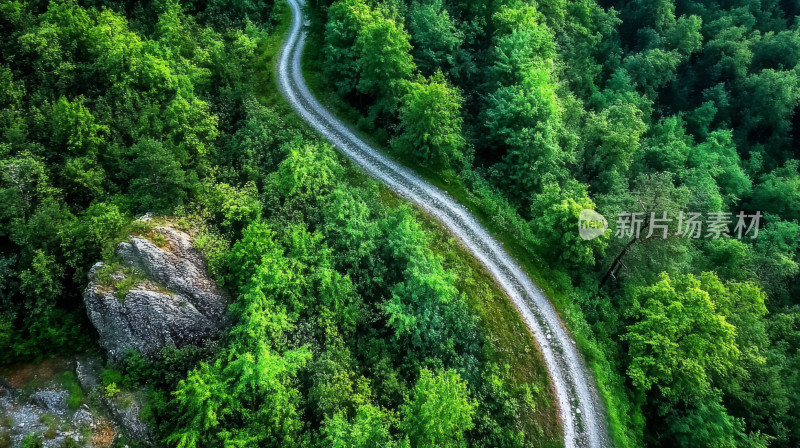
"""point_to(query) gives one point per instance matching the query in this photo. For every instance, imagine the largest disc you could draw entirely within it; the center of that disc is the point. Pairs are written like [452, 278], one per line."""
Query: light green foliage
[74, 128]
[76, 395]
[111, 390]
[430, 122]
[159, 239]
[680, 337]
[384, 59]
[426, 313]
[423, 308]
[524, 114]
[308, 171]
[685, 36]
[369, 428]
[100, 226]
[515, 16]
[779, 191]
[248, 396]
[131, 278]
[718, 158]
[32, 441]
[353, 234]
[232, 207]
[521, 51]
[43, 279]
[439, 412]
[555, 214]
[523, 43]
[527, 119]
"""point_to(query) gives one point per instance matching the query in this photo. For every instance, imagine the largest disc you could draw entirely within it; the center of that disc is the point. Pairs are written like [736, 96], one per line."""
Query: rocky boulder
[161, 296]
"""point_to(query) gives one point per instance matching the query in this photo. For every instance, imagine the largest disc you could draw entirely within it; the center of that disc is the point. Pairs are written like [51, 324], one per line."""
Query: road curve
[580, 411]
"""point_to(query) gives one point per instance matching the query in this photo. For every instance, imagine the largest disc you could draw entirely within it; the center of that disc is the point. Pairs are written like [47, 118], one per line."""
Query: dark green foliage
[110, 125]
[157, 181]
[69, 442]
[436, 39]
[426, 313]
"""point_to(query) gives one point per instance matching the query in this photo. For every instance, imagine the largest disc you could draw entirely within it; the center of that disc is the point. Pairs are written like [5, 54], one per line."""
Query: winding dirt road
[583, 421]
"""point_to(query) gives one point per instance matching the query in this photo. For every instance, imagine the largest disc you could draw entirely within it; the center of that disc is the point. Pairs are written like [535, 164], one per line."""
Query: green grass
[6, 421]
[624, 420]
[158, 239]
[70, 382]
[130, 277]
[136, 228]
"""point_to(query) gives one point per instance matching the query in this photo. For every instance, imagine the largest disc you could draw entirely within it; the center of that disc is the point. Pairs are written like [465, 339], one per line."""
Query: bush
[31, 441]
[76, 395]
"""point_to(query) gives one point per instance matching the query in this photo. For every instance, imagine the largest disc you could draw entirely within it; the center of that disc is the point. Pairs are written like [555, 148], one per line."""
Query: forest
[535, 110]
[356, 321]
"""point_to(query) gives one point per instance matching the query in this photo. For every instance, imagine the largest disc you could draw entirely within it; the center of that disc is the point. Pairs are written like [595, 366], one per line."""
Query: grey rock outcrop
[82, 417]
[87, 371]
[128, 416]
[52, 401]
[174, 303]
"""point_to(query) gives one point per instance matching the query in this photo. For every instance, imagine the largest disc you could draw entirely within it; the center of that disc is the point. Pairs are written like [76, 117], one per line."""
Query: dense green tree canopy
[632, 107]
[352, 324]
